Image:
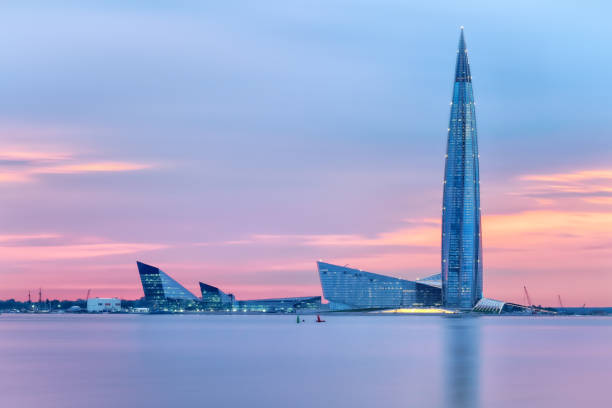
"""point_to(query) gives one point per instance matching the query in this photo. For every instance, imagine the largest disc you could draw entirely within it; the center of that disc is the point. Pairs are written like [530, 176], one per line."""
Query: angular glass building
[158, 286]
[461, 228]
[214, 299]
[353, 289]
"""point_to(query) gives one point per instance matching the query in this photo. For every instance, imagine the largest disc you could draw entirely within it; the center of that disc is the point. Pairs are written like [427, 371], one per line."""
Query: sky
[237, 143]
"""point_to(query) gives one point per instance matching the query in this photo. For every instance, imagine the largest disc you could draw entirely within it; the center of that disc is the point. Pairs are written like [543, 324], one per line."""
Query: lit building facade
[162, 290]
[281, 305]
[214, 299]
[461, 228]
[353, 289]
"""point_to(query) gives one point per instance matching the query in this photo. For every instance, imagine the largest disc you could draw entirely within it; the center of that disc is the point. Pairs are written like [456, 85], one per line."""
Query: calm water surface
[270, 361]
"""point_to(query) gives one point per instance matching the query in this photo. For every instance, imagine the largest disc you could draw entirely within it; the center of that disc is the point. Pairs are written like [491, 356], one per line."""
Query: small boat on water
[319, 320]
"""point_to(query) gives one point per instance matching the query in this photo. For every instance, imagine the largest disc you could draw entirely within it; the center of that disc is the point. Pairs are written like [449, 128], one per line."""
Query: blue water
[270, 361]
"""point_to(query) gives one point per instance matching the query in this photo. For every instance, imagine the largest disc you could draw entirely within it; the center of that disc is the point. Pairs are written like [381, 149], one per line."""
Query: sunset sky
[237, 143]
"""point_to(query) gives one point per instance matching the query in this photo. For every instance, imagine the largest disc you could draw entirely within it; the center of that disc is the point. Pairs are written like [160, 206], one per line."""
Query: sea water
[271, 361]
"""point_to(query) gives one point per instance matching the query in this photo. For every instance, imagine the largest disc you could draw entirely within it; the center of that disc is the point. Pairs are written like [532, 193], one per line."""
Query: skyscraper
[461, 228]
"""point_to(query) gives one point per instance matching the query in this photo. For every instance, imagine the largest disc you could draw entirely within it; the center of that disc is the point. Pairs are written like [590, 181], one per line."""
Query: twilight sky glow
[237, 143]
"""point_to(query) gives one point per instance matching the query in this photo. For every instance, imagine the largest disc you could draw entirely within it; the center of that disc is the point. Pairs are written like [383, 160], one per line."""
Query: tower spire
[462, 70]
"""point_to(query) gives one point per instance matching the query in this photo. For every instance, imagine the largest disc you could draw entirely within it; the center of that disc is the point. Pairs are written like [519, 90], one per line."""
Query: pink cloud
[13, 238]
[81, 251]
[580, 182]
[21, 165]
[599, 200]
[580, 175]
[418, 235]
[92, 167]
[44, 246]
[20, 154]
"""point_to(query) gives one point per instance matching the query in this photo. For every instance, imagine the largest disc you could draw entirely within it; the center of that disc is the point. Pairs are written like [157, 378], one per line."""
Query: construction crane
[29, 297]
[560, 302]
[529, 303]
[88, 292]
[527, 297]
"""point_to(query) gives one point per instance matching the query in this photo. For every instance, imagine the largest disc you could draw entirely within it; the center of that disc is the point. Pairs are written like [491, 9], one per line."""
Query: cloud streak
[585, 184]
[93, 167]
[18, 238]
[82, 251]
[21, 165]
[422, 233]
[580, 175]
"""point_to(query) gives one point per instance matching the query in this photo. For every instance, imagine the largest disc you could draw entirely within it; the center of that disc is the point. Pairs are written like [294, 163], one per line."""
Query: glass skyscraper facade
[353, 289]
[461, 228]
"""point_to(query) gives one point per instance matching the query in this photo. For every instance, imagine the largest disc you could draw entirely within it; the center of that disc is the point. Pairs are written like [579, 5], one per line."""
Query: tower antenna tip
[461, 27]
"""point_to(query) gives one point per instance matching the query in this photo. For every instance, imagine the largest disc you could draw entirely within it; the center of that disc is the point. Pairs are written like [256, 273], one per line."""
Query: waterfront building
[214, 299]
[157, 285]
[166, 294]
[461, 228]
[353, 289]
[163, 291]
[281, 305]
[99, 305]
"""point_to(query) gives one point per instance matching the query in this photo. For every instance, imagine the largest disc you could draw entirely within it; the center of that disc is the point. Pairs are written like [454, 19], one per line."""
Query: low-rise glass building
[214, 299]
[353, 289]
[281, 305]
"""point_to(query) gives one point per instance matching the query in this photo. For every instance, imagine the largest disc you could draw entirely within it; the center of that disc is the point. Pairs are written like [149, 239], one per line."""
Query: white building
[103, 305]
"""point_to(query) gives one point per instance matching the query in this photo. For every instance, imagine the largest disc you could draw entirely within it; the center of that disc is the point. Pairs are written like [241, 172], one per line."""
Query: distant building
[281, 305]
[98, 305]
[353, 289]
[167, 294]
[492, 306]
[164, 293]
[214, 299]
[158, 286]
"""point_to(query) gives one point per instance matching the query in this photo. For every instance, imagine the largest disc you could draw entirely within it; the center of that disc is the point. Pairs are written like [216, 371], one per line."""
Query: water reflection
[99, 361]
[461, 362]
